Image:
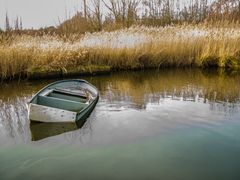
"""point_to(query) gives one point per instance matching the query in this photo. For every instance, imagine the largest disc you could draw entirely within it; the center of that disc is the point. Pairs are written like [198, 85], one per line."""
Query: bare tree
[16, 23]
[123, 11]
[21, 24]
[95, 14]
[85, 8]
[7, 24]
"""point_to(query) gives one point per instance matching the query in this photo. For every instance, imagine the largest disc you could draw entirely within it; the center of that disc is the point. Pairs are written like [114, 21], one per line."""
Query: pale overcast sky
[37, 13]
[41, 13]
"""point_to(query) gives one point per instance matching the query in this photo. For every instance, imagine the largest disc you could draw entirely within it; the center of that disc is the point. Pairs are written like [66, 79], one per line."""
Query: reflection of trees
[138, 88]
[126, 90]
[14, 122]
[14, 90]
[227, 107]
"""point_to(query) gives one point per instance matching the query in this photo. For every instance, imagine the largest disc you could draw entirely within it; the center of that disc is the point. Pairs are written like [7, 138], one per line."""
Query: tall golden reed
[135, 47]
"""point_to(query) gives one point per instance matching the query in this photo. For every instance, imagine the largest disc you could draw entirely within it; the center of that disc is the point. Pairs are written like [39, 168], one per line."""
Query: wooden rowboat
[63, 101]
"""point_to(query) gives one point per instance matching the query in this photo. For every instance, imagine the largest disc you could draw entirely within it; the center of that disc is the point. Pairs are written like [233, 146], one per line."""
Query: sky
[38, 13]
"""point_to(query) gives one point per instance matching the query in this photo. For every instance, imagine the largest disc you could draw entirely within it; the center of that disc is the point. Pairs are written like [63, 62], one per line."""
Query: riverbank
[137, 47]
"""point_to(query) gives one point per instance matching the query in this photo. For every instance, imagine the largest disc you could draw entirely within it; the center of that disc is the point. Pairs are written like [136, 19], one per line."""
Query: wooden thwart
[72, 93]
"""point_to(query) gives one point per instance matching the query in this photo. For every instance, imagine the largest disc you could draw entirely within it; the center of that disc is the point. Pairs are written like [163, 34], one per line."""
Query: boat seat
[78, 93]
[67, 96]
[61, 103]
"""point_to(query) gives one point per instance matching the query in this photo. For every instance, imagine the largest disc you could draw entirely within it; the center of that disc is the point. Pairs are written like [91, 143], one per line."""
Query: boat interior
[63, 99]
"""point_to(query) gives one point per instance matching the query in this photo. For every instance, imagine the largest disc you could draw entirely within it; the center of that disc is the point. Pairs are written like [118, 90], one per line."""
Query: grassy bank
[136, 47]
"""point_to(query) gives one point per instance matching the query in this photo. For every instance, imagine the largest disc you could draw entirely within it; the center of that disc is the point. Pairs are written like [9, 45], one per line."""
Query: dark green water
[167, 124]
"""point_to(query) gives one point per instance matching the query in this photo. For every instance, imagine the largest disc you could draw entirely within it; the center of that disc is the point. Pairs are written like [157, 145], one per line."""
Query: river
[155, 124]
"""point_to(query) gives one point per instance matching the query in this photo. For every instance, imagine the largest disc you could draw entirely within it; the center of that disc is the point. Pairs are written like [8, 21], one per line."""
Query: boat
[63, 101]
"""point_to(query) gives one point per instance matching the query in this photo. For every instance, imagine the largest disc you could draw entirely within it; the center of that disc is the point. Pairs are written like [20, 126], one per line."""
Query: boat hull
[46, 106]
[86, 113]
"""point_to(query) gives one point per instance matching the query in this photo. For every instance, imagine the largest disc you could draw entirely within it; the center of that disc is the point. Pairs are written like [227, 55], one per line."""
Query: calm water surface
[166, 124]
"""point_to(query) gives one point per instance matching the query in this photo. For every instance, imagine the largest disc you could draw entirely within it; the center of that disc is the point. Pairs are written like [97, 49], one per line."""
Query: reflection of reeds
[136, 47]
[125, 90]
[187, 85]
[13, 119]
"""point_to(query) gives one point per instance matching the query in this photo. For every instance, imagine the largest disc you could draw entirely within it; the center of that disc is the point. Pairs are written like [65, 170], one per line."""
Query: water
[166, 124]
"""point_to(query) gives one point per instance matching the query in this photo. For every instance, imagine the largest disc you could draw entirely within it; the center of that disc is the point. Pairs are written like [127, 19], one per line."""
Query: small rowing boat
[63, 101]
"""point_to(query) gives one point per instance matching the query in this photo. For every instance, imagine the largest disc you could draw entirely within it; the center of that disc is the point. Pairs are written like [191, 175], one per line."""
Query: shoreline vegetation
[85, 44]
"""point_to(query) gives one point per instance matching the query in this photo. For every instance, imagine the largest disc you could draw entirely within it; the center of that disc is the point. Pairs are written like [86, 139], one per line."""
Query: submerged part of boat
[63, 101]
[41, 131]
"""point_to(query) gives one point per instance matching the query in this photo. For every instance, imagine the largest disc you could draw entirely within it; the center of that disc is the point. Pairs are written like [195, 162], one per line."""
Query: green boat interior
[62, 100]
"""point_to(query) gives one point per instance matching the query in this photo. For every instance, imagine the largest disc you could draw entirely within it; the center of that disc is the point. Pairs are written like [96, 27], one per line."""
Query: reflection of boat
[63, 101]
[43, 130]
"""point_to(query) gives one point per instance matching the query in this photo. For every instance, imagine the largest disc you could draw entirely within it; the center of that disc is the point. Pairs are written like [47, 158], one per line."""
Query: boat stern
[41, 113]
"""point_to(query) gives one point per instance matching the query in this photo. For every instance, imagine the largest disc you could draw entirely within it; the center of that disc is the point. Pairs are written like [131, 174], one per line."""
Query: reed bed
[130, 48]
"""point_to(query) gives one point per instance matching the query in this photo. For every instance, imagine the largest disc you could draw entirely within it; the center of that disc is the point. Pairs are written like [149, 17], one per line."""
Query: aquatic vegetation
[130, 48]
